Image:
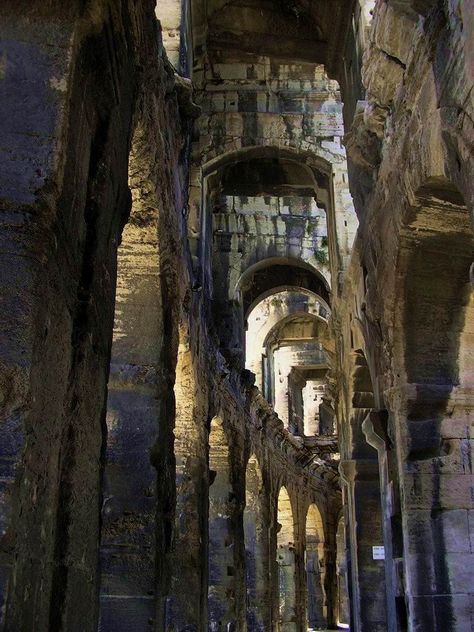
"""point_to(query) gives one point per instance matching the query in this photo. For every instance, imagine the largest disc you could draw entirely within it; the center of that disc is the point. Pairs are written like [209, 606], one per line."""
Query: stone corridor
[236, 344]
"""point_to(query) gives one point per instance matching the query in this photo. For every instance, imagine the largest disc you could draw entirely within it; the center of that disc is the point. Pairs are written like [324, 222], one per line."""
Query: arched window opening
[286, 563]
[292, 363]
[272, 312]
[290, 349]
[265, 277]
[298, 349]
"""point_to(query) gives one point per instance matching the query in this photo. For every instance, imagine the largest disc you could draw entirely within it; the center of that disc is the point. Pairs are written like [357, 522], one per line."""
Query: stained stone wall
[406, 302]
[141, 407]
[146, 483]
[257, 102]
[69, 79]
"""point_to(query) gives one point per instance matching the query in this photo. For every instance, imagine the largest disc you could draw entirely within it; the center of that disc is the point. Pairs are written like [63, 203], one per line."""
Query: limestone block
[448, 612]
[123, 615]
[393, 32]
[423, 528]
[461, 571]
[382, 77]
[471, 528]
[448, 491]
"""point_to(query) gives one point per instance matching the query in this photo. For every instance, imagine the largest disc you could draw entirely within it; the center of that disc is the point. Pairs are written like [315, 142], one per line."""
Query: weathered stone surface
[175, 467]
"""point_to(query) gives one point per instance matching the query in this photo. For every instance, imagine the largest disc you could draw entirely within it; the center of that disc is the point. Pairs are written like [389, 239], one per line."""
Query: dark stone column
[65, 199]
[287, 585]
[375, 431]
[256, 529]
[436, 483]
[226, 588]
[186, 567]
[365, 531]
[314, 583]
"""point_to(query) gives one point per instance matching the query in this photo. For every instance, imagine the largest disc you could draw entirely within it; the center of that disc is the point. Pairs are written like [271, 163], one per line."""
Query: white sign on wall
[378, 553]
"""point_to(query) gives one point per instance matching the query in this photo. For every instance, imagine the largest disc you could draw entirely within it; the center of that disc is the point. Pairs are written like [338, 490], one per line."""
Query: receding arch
[268, 327]
[305, 173]
[267, 176]
[297, 349]
[301, 326]
[308, 159]
[323, 308]
[270, 273]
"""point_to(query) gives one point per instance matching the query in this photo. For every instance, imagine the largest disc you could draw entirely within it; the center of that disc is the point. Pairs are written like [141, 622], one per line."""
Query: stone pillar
[135, 415]
[313, 393]
[287, 586]
[314, 583]
[256, 530]
[64, 156]
[365, 531]
[434, 448]
[317, 556]
[287, 563]
[185, 604]
[375, 431]
[342, 567]
[281, 386]
[301, 585]
[295, 403]
[226, 540]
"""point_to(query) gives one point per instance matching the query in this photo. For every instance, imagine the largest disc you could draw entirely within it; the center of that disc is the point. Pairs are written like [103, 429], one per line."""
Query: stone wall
[69, 78]
[146, 483]
[406, 303]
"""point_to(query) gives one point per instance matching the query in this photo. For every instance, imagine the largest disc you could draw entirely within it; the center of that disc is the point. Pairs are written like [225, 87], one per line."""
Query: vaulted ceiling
[288, 30]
